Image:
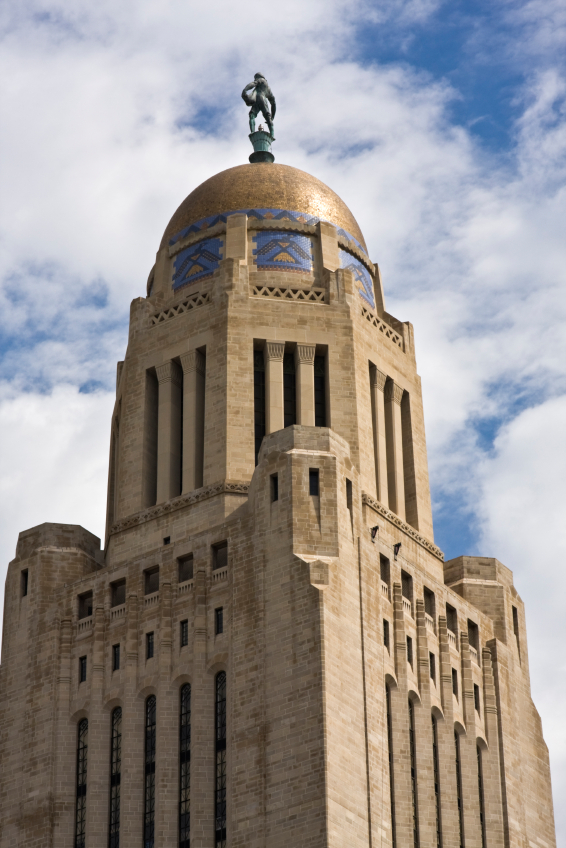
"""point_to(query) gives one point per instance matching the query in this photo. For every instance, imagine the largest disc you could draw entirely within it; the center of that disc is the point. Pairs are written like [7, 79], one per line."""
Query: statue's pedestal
[261, 142]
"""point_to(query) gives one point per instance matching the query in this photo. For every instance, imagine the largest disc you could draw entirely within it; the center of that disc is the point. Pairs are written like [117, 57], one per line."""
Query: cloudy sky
[443, 127]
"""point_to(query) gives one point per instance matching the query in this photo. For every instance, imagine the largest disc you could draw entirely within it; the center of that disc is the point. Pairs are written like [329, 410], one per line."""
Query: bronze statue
[260, 100]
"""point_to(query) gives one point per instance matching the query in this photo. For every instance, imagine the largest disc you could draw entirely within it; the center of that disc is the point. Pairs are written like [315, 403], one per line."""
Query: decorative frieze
[367, 500]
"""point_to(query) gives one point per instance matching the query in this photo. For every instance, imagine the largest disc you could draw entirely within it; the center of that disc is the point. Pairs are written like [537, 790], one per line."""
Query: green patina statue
[260, 100]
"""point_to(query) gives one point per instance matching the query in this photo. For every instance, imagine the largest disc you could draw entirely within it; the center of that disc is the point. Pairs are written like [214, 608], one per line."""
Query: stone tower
[270, 649]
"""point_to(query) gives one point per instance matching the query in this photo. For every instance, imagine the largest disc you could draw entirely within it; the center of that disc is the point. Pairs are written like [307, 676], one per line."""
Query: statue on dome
[260, 99]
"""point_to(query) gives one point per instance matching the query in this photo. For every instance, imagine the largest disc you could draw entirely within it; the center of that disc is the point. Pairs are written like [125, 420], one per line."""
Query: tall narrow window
[319, 391]
[410, 651]
[80, 806]
[289, 391]
[459, 788]
[477, 699]
[115, 777]
[24, 580]
[436, 780]
[386, 633]
[482, 800]
[185, 768]
[82, 669]
[220, 793]
[516, 628]
[115, 657]
[184, 633]
[432, 666]
[259, 400]
[390, 756]
[455, 682]
[413, 754]
[314, 488]
[185, 568]
[149, 773]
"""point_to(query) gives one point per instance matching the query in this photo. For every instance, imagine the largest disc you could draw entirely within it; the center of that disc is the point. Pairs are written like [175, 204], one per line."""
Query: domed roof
[263, 186]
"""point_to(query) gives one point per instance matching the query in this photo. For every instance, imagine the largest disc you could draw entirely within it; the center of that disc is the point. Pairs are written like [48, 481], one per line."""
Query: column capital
[169, 372]
[305, 353]
[393, 392]
[378, 378]
[275, 350]
[193, 361]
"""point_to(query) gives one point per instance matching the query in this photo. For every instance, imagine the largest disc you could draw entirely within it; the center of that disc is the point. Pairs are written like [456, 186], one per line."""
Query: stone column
[98, 743]
[132, 779]
[193, 364]
[304, 359]
[167, 751]
[446, 746]
[468, 753]
[237, 238]
[426, 799]
[170, 380]
[202, 723]
[377, 383]
[274, 386]
[400, 729]
[394, 433]
[490, 759]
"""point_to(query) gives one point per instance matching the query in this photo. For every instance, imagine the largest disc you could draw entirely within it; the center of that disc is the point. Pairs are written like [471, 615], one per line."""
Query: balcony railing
[384, 589]
[185, 587]
[220, 574]
[151, 600]
[407, 606]
[452, 639]
[84, 625]
[117, 612]
[429, 622]
[474, 654]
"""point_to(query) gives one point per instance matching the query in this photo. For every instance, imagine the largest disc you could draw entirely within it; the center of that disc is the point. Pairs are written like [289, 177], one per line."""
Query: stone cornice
[226, 487]
[406, 528]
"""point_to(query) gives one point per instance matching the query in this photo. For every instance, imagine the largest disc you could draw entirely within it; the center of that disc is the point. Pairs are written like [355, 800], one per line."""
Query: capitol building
[268, 649]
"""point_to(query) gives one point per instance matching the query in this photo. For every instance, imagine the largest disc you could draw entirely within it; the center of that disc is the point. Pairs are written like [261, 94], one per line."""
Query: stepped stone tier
[269, 649]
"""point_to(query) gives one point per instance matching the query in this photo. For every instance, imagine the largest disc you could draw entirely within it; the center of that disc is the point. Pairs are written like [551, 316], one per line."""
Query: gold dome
[263, 186]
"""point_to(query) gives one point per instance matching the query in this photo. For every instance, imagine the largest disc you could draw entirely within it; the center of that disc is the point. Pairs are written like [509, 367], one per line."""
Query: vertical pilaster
[426, 799]
[169, 376]
[394, 432]
[202, 725]
[132, 780]
[65, 750]
[446, 750]
[493, 803]
[304, 359]
[98, 743]
[237, 238]
[377, 383]
[400, 728]
[274, 386]
[468, 753]
[193, 364]
[167, 750]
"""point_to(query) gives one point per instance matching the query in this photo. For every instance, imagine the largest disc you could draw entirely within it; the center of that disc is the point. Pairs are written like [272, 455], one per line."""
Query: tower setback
[269, 649]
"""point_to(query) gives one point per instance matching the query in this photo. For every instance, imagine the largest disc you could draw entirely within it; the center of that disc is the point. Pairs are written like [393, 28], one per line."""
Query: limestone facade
[269, 648]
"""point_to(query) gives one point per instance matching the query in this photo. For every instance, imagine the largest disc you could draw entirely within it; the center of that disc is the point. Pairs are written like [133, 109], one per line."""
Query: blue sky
[441, 124]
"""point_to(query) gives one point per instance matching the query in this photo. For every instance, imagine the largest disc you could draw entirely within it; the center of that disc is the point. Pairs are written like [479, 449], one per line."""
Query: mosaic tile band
[196, 262]
[284, 251]
[361, 276]
[260, 215]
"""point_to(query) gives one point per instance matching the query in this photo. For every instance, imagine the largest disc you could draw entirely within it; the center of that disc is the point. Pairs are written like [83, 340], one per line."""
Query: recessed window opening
[432, 666]
[349, 495]
[185, 768]
[151, 580]
[384, 569]
[274, 487]
[219, 555]
[289, 390]
[474, 638]
[451, 619]
[149, 646]
[390, 758]
[455, 683]
[167, 540]
[314, 489]
[115, 657]
[184, 633]
[115, 778]
[219, 620]
[82, 669]
[407, 586]
[410, 651]
[149, 775]
[85, 605]
[185, 565]
[118, 593]
[259, 401]
[80, 803]
[386, 633]
[320, 391]
[220, 746]
[429, 602]
[24, 582]
[516, 627]
[413, 754]
[477, 701]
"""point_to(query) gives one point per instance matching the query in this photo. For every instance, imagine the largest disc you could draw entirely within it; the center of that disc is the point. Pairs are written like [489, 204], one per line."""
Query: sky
[442, 125]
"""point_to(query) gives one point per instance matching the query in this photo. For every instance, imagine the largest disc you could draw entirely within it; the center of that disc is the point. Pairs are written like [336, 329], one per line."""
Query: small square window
[410, 651]
[455, 682]
[274, 487]
[477, 702]
[184, 633]
[82, 669]
[386, 633]
[118, 593]
[314, 488]
[24, 579]
[151, 580]
[167, 540]
[220, 555]
[85, 605]
[219, 620]
[432, 664]
[115, 657]
[185, 568]
[149, 646]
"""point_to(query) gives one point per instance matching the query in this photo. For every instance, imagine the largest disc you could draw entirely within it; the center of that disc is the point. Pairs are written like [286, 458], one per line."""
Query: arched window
[149, 788]
[482, 799]
[115, 777]
[80, 807]
[436, 781]
[220, 795]
[390, 753]
[413, 753]
[185, 767]
[459, 787]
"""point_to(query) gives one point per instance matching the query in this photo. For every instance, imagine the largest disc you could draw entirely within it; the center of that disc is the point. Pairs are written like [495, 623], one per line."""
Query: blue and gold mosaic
[196, 262]
[283, 251]
[361, 275]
